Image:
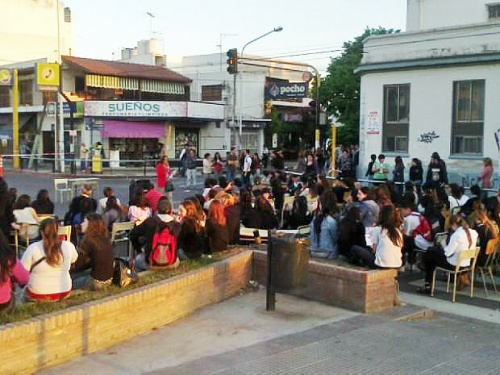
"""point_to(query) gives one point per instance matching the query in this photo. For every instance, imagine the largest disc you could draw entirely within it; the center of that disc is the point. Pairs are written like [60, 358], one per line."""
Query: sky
[313, 30]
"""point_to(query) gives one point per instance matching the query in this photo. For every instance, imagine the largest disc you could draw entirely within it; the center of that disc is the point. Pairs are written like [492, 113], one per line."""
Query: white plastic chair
[61, 186]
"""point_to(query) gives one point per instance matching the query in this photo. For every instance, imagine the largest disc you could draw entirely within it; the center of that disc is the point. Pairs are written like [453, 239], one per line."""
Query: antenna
[151, 16]
[220, 46]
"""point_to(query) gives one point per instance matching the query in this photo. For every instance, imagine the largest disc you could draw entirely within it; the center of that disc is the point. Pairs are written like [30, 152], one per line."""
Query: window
[493, 12]
[212, 93]
[396, 118]
[4, 96]
[25, 91]
[468, 117]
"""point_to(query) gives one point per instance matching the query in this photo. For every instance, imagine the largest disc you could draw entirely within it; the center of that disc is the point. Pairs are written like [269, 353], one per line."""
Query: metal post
[15, 118]
[270, 292]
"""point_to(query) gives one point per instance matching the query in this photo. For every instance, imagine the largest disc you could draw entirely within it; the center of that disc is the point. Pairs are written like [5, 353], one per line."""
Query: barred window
[212, 93]
[494, 12]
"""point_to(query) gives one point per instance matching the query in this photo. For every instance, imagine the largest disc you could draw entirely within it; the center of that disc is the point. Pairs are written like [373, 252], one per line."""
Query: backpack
[163, 247]
[423, 228]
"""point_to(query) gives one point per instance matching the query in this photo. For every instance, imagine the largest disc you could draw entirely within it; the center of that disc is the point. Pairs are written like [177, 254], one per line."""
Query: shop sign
[47, 76]
[293, 117]
[5, 77]
[135, 109]
[287, 90]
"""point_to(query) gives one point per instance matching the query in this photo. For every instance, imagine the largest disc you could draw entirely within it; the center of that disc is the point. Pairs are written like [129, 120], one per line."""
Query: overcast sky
[313, 30]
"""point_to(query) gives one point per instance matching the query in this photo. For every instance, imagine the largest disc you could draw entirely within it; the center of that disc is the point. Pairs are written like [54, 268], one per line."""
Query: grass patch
[79, 296]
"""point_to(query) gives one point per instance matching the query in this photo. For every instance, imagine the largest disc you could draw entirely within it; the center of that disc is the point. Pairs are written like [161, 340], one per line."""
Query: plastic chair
[491, 252]
[65, 231]
[120, 233]
[464, 255]
[61, 186]
[21, 237]
[287, 206]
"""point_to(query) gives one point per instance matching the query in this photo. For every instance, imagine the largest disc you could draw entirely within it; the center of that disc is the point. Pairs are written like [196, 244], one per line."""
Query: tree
[340, 89]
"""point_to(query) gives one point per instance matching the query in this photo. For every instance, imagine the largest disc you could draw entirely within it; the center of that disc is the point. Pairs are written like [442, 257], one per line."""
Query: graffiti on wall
[428, 137]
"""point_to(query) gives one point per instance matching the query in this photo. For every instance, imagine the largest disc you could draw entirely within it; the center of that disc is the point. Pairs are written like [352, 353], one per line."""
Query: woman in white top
[139, 210]
[49, 261]
[26, 218]
[387, 242]
[463, 238]
[456, 198]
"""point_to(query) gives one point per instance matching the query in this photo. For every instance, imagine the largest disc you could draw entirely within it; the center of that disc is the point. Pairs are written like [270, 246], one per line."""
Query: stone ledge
[348, 287]
[54, 338]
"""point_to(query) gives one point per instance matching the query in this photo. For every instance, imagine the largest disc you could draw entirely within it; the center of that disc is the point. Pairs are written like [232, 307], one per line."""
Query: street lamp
[240, 120]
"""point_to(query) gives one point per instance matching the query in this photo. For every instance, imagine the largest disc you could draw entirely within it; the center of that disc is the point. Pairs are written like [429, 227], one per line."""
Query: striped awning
[125, 83]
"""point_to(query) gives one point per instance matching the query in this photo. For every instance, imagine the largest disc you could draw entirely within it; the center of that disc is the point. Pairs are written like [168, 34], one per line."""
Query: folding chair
[62, 186]
[491, 252]
[303, 231]
[21, 235]
[287, 206]
[464, 255]
[120, 233]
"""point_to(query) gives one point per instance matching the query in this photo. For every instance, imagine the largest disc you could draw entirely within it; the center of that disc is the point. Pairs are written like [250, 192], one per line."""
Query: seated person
[26, 218]
[324, 232]
[294, 185]
[139, 209]
[49, 262]
[42, 204]
[191, 239]
[387, 242]
[299, 214]
[96, 253]
[141, 237]
[412, 228]
[351, 232]
[11, 271]
[216, 227]
[260, 217]
[112, 213]
[463, 238]
[152, 197]
[107, 192]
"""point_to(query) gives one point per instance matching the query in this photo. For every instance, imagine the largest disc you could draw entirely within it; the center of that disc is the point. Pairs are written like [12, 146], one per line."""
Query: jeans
[191, 177]
[230, 174]
[365, 255]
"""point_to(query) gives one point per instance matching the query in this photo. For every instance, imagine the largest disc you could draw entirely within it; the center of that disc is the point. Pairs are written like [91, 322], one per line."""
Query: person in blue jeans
[191, 169]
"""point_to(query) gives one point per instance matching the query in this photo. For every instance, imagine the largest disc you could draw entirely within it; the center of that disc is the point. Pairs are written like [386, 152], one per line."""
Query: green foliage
[340, 89]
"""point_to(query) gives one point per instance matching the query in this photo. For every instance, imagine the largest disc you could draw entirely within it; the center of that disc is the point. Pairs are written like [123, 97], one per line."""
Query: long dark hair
[51, 242]
[390, 219]
[328, 207]
[7, 258]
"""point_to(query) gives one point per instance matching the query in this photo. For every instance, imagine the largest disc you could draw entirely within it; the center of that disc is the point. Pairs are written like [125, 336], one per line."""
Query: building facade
[434, 87]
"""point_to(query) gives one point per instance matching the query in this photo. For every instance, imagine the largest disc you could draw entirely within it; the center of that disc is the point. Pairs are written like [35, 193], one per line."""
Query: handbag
[124, 272]
[169, 187]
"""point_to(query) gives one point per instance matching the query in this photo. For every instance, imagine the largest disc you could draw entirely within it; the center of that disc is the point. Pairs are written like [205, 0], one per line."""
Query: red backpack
[163, 247]
[423, 228]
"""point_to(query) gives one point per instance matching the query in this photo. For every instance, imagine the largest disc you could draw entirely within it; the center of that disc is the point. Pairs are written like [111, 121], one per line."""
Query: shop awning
[132, 129]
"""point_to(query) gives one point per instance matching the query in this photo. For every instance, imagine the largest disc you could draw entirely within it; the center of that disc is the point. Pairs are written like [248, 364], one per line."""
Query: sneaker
[187, 191]
[424, 290]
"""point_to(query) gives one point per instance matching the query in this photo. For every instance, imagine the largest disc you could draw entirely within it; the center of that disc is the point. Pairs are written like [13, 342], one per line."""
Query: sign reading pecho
[287, 90]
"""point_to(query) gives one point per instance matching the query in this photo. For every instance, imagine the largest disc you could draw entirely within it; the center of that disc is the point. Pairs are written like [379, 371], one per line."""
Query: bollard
[270, 292]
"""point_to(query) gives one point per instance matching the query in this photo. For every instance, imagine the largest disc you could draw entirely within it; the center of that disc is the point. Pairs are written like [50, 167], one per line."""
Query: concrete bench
[341, 284]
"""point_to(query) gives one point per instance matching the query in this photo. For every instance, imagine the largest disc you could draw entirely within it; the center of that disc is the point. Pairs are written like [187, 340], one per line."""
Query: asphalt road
[31, 182]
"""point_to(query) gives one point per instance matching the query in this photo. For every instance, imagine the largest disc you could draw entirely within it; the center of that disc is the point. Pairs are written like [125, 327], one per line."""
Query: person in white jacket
[463, 238]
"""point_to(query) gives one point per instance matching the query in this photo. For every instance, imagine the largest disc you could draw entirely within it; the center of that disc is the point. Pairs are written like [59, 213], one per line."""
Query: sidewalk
[302, 337]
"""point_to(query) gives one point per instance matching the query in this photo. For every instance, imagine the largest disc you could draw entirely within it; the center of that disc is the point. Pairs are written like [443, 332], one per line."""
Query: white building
[434, 87]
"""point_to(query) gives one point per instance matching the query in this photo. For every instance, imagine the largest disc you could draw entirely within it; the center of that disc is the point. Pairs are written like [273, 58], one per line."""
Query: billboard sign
[287, 90]
[47, 76]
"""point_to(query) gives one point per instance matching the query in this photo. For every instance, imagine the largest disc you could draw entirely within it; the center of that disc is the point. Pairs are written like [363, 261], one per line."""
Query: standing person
[345, 164]
[278, 160]
[216, 226]
[311, 169]
[191, 170]
[24, 151]
[84, 155]
[247, 167]
[49, 262]
[265, 157]
[398, 175]
[218, 164]
[437, 176]
[163, 173]
[355, 159]
[369, 171]
[182, 157]
[387, 242]
[380, 170]
[416, 173]
[486, 173]
[256, 165]
[232, 163]
[207, 166]
[96, 253]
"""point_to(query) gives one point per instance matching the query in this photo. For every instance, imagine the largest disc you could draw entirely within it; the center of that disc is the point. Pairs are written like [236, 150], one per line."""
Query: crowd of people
[380, 225]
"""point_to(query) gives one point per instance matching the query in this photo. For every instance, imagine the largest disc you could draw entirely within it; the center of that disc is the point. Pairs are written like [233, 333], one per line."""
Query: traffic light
[232, 61]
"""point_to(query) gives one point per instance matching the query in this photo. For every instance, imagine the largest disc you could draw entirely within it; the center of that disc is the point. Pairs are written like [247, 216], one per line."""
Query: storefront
[134, 140]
